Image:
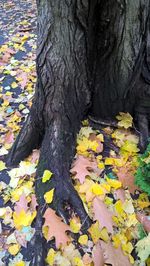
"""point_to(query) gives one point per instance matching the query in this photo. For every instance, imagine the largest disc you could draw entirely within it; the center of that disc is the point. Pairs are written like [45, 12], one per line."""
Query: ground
[103, 171]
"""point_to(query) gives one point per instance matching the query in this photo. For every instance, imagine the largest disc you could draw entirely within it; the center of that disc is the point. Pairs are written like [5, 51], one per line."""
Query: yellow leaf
[125, 120]
[97, 189]
[114, 183]
[50, 257]
[131, 220]
[14, 249]
[104, 235]
[109, 161]
[48, 196]
[77, 262]
[127, 247]
[83, 240]
[20, 263]
[14, 85]
[75, 225]
[130, 147]
[95, 232]
[23, 219]
[119, 209]
[101, 165]
[143, 204]
[100, 137]
[2, 165]
[46, 176]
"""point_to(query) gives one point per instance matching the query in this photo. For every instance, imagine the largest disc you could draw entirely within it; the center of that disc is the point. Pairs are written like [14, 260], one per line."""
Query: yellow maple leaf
[114, 183]
[14, 249]
[23, 219]
[119, 209]
[104, 235]
[129, 147]
[125, 120]
[83, 240]
[46, 176]
[48, 196]
[95, 232]
[97, 189]
[77, 261]
[50, 257]
[85, 144]
[127, 247]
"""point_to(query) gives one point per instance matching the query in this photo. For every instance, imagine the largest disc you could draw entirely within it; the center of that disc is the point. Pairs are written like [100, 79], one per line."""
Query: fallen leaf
[56, 228]
[114, 256]
[143, 248]
[22, 204]
[126, 177]
[103, 215]
[81, 167]
[97, 255]
[48, 196]
[46, 176]
[125, 120]
[14, 249]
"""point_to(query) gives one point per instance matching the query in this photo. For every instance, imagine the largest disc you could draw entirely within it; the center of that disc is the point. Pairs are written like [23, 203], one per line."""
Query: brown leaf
[114, 256]
[97, 255]
[103, 215]
[120, 194]
[81, 167]
[22, 204]
[56, 228]
[126, 177]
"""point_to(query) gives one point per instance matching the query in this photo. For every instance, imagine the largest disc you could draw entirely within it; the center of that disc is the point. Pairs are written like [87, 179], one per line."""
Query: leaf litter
[106, 184]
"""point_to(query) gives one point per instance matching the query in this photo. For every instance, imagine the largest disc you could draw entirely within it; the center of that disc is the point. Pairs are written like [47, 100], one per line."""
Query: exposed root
[143, 127]
[28, 139]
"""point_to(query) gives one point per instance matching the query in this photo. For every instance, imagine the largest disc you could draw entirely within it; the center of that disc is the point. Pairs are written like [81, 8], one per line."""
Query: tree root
[28, 139]
[143, 127]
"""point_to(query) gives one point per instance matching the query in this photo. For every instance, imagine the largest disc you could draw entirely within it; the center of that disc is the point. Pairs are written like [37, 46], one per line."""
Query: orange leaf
[22, 204]
[97, 255]
[81, 167]
[114, 256]
[56, 228]
[103, 215]
[126, 177]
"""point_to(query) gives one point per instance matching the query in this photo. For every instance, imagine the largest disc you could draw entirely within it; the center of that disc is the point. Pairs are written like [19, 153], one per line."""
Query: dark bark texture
[92, 58]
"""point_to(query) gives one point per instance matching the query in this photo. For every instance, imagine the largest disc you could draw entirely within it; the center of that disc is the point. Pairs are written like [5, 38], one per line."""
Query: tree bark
[84, 48]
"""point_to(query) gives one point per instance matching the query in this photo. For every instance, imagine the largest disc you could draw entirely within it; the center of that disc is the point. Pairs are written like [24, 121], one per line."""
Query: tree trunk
[84, 48]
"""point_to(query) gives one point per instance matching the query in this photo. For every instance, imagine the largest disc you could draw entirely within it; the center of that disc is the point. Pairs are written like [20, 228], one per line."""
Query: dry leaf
[22, 204]
[97, 255]
[81, 168]
[103, 215]
[56, 228]
[126, 177]
[114, 256]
